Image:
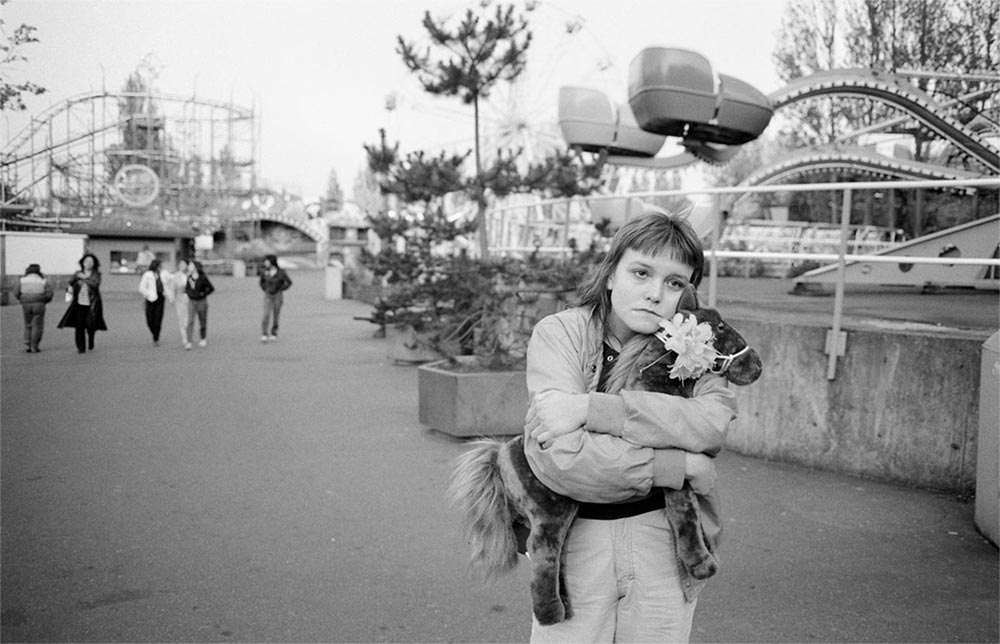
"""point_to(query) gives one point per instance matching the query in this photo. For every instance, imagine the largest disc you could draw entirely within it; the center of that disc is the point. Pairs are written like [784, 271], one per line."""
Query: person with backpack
[33, 291]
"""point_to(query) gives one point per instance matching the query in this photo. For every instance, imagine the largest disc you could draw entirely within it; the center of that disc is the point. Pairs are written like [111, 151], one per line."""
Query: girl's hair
[651, 233]
[196, 264]
[97, 262]
[272, 259]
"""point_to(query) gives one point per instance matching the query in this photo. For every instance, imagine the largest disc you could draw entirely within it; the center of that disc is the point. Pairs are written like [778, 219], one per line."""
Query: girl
[86, 310]
[151, 286]
[176, 293]
[198, 288]
[598, 448]
[274, 281]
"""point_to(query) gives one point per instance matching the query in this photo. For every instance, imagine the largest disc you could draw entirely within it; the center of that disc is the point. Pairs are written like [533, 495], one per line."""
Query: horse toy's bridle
[723, 361]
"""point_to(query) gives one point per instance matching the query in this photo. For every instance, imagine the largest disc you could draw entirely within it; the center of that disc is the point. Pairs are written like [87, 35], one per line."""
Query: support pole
[834, 340]
[713, 267]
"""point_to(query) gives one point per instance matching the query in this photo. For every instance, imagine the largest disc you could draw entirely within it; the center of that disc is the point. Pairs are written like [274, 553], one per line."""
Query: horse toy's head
[709, 345]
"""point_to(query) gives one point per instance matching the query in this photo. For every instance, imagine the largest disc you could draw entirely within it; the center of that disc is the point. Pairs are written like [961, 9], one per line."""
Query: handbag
[69, 294]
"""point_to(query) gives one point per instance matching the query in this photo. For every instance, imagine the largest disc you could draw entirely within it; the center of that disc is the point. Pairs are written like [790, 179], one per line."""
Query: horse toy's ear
[689, 299]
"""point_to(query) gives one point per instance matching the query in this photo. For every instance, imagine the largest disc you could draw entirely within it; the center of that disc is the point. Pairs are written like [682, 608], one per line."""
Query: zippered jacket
[634, 438]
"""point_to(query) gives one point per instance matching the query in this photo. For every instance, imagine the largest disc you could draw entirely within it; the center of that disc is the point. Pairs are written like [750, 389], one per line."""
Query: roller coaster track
[10, 151]
[896, 92]
[855, 160]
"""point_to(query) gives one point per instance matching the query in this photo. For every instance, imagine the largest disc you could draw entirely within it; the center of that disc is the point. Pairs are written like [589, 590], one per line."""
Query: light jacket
[636, 439]
[147, 285]
[32, 289]
[174, 287]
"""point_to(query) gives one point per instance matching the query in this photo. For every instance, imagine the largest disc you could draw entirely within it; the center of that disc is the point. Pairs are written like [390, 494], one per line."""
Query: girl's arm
[697, 424]
[587, 466]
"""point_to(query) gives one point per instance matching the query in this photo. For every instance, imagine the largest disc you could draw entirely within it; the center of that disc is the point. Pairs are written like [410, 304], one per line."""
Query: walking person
[274, 281]
[175, 289]
[609, 451]
[33, 291]
[154, 293]
[86, 309]
[198, 288]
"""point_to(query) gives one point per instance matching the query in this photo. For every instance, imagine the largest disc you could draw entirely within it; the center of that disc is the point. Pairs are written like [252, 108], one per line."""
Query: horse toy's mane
[494, 487]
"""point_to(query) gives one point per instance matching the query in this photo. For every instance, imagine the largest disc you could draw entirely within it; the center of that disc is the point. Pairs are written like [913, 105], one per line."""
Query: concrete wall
[56, 253]
[903, 407]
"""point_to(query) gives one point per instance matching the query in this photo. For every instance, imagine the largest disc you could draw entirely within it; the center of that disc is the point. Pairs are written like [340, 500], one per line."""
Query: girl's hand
[699, 472]
[555, 413]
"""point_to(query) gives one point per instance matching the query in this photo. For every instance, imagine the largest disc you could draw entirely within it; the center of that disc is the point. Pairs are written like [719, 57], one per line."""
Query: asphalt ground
[285, 492]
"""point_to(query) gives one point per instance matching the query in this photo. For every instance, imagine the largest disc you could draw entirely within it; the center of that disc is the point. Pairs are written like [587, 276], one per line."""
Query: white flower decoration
[692, 342]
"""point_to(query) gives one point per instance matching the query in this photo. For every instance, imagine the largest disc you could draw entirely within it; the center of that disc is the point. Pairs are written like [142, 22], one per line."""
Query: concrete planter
[469, 404]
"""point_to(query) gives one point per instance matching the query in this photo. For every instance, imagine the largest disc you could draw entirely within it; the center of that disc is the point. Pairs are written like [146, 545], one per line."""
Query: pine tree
[468, 62]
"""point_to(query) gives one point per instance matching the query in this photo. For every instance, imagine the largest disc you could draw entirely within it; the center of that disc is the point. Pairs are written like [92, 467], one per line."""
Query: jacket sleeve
[48, 292]
[17, 288]
[209, 288]
[286, 281]
[584, 465]
[697, 424]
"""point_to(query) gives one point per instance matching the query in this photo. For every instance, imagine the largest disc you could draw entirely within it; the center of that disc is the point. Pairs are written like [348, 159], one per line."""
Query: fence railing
[841, 257]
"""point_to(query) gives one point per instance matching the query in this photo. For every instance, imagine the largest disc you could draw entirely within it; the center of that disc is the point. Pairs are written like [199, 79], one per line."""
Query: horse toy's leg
[550, 516]
[689, 539]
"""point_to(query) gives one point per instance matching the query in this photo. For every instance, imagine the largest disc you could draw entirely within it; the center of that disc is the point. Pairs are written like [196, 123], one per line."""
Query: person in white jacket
[152, 289]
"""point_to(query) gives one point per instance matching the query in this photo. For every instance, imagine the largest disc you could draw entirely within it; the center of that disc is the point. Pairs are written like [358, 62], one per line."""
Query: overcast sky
[318, 71]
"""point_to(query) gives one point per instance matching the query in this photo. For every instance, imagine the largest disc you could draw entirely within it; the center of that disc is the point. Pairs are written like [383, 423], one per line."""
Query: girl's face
[645, 289]
[182, 266]
[88, 263]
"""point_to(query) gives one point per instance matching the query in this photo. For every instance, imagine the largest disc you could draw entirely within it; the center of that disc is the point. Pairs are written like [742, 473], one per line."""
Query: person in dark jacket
[198, 288]
[33, 291]
[86, 309]
[274, 281]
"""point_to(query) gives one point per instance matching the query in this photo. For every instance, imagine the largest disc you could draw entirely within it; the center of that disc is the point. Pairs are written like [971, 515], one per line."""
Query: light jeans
[181, 307]
[622, 580]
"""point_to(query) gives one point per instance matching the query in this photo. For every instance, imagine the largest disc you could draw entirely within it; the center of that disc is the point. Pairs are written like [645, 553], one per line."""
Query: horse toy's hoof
[553, 613]
[705, 568]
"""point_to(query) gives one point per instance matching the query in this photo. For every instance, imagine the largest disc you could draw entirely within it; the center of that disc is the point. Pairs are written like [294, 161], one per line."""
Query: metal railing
[713, 254]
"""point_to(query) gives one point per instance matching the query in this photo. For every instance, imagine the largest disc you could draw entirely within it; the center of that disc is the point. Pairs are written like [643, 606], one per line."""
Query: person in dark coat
[86, 310]
[198, 288]
[274, 281]
[33, 291]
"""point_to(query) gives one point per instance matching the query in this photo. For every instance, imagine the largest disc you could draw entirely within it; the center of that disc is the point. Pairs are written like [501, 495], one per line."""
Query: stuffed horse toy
[495, 488]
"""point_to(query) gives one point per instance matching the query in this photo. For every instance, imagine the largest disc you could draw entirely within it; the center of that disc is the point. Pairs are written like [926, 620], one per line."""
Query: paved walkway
[286, 493]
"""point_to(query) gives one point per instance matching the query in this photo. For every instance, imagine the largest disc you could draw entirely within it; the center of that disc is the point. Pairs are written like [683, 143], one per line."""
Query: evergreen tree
[333, 200]
[469, 61]
[12, 92]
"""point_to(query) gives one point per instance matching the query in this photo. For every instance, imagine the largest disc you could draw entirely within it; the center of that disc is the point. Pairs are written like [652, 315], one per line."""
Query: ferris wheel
[519, 115]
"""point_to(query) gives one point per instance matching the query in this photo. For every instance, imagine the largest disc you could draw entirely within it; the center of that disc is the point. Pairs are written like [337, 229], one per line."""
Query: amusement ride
[163, 160]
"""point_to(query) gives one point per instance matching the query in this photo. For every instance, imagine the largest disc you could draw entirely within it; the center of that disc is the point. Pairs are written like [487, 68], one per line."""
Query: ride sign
[136, 185]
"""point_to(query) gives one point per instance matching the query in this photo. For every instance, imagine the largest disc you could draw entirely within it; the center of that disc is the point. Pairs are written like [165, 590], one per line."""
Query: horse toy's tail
[478, 491]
